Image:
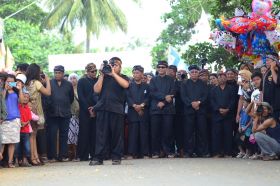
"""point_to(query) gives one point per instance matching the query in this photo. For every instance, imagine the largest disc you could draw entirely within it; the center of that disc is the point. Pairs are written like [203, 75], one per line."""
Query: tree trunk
[88, 42]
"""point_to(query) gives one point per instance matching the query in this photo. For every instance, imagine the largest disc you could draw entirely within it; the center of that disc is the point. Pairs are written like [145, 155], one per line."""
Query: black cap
[173, 67]
[204, 71]
[59, 68]
[163, 63]
[193, 67]
[138, 67]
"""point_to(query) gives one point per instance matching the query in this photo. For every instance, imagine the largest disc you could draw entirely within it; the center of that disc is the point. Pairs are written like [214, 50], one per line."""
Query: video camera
[107, 66]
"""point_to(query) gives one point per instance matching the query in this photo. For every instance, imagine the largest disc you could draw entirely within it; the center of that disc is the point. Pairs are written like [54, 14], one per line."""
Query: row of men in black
[155, 103]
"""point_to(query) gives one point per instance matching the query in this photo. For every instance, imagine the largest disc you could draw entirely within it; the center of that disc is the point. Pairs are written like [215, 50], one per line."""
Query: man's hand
[91, 112]
[160, 105]
[169, 98]
[137, 108]
[141, 113]
[223, 111]
[273, 65]
[195, 105]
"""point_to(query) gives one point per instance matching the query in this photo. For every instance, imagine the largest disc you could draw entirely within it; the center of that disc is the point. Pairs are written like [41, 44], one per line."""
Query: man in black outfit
[60, 101]
[86, 139]
[109, 109]
[162, 90]
[223, 108]
[138, 115]
[271, 84]
[194, 93]
[179, 107]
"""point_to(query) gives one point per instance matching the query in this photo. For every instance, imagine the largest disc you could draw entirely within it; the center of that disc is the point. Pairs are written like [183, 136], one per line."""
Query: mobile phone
[12, 84]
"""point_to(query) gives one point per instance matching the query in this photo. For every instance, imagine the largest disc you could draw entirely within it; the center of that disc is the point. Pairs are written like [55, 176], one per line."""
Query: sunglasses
[162, 67]
[93, 71]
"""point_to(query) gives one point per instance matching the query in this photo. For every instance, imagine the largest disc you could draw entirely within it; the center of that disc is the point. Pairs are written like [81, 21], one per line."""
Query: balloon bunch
[250, 37]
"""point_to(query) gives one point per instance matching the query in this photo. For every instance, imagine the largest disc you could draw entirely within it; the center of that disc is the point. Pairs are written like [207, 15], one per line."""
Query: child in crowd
[10, 127]
[23, 147]
[245, 131]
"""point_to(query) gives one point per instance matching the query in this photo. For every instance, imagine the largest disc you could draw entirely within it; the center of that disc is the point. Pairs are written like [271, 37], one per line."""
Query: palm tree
[93, 14]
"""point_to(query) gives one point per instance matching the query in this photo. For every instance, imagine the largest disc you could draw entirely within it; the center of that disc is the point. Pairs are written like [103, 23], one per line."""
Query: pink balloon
[262, 7]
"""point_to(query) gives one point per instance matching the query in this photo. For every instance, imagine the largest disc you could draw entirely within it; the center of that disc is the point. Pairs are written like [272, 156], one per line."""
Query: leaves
[29, 45]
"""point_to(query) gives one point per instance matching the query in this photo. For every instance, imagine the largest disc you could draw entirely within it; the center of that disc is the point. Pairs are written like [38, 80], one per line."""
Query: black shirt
[160, 87]
[61, 99]
[194, 91]
[112, 96]
[271, 91]
[222, 98]
[137, 94]
[179, 105]
[86, 94]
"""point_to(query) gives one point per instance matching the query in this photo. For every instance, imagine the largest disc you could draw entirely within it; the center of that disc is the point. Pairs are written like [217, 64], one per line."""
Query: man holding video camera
[111, 88]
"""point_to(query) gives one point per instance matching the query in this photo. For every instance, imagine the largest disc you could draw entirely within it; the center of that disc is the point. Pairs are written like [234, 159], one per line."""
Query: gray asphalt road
[161, 172]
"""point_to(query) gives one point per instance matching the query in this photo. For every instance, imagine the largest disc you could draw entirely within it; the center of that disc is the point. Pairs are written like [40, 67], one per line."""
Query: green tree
[127, 71]
[33, 14]
[185, 14]
[216, 55]
[94, 15]
[29, 44]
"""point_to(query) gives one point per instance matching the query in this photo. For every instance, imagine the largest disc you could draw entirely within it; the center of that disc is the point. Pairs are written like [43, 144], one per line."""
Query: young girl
[10, 127]
[245, 131]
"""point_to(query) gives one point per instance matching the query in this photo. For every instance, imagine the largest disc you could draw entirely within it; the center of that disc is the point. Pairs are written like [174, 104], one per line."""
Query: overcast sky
[143, 22]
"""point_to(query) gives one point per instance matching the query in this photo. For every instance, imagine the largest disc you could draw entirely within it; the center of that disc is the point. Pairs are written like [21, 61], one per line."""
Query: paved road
[161, 172]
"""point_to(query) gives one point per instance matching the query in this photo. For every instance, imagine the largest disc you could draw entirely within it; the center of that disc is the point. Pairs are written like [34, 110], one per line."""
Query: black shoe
[94, 163]
[206, 156]
[116, 162]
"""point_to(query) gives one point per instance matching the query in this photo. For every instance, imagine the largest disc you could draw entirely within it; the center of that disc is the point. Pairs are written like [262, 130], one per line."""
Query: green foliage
[29, 44]
[158, 53]
[182, 19]
[216, 55]
[127, 71]
[33, 14]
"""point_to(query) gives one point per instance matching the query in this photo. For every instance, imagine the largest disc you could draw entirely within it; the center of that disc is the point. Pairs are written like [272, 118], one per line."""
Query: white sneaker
[240, 155]
[246, 156]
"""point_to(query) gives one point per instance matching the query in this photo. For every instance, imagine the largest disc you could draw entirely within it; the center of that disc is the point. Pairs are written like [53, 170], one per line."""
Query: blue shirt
[12, 107]
[244, 120]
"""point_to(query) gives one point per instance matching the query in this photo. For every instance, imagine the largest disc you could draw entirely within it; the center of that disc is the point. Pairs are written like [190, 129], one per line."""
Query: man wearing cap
[87, 125]
[194, 93]
[111, 89]
[138, 115]
[162, 110]
[204, 76]
[271, 84]
[179, 107]
[60, 101]
[223, 107]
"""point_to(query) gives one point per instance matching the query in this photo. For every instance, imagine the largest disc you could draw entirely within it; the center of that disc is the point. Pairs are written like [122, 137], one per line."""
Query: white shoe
[240, 155]
[246, 156]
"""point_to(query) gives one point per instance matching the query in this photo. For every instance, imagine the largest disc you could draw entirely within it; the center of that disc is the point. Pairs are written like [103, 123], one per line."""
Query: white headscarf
[73, 75]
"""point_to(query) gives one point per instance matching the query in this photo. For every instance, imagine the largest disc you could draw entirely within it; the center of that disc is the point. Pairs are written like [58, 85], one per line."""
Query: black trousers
[138, 138]
[195, 134]
[109, 126]
[178, 131]
[162, 134]
[222, 136]
[86, 137]
[56, 124]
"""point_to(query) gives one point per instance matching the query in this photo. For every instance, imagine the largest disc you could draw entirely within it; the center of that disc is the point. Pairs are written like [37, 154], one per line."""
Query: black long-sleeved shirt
[86, 94]
[137, 94]
[179, 105]
[112, 96]
[160, 87]
[222, 98]
[271, 91]
[61, 99]
[194, 91]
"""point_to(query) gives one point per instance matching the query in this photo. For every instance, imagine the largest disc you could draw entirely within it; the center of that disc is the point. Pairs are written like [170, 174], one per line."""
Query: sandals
[11, 165]
[34, 162]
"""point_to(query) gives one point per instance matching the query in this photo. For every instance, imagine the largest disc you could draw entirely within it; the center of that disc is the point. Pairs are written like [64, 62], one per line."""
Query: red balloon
[239, 25]
[265, 23]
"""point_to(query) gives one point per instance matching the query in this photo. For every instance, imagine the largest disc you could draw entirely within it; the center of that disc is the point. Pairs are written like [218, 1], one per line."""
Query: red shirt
[25, 116]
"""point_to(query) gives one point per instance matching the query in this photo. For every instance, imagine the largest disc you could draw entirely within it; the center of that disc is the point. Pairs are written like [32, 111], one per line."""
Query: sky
[144, 22]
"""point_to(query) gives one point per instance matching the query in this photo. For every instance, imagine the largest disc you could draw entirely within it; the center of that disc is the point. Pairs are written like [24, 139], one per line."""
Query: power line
[20, 10]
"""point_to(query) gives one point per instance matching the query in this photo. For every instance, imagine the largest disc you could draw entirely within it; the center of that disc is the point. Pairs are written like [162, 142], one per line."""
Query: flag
[2, 55]
[10, 61]
[175, 59]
